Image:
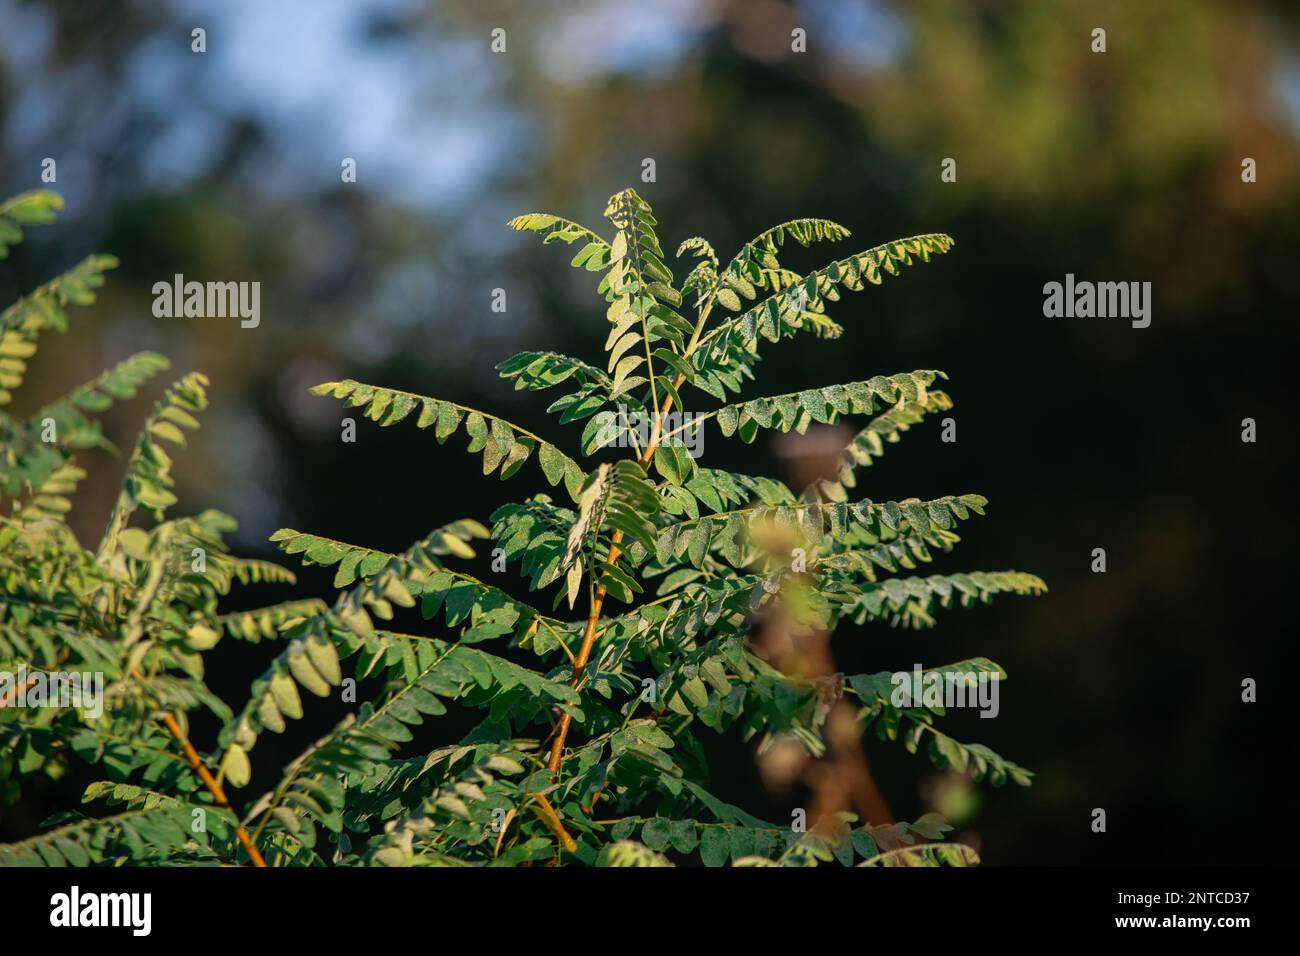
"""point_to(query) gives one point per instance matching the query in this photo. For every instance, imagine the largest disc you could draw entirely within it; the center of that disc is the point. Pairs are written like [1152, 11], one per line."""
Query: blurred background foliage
[1125, 686]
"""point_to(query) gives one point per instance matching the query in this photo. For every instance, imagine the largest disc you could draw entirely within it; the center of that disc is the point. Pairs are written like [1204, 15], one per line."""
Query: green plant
[588, 753]
[139, 610]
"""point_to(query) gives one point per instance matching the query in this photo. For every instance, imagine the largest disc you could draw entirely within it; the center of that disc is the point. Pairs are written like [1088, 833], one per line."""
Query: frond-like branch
[26, 209]
[355, 561]
[22, 322]
[150, 833]
[556, 229]
[731, 347]
[76, 429]
[908, 600]
[926, 854]
[148, 481]
[818, 520]
[798, 410]
[503, 445]
[869, 443]
[267, 622]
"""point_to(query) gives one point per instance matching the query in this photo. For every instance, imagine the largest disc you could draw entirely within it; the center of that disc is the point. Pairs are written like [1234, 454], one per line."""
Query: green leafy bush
[660, 572]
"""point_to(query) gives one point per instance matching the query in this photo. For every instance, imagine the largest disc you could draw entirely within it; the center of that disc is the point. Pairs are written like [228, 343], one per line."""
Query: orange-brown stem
[16, 690]
[213, 785]
[598, 600]
[552, 820]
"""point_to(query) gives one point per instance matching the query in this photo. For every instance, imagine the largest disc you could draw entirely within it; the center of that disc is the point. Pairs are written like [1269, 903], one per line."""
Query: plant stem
[598, 598]
[542, 807]
[214, 787]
